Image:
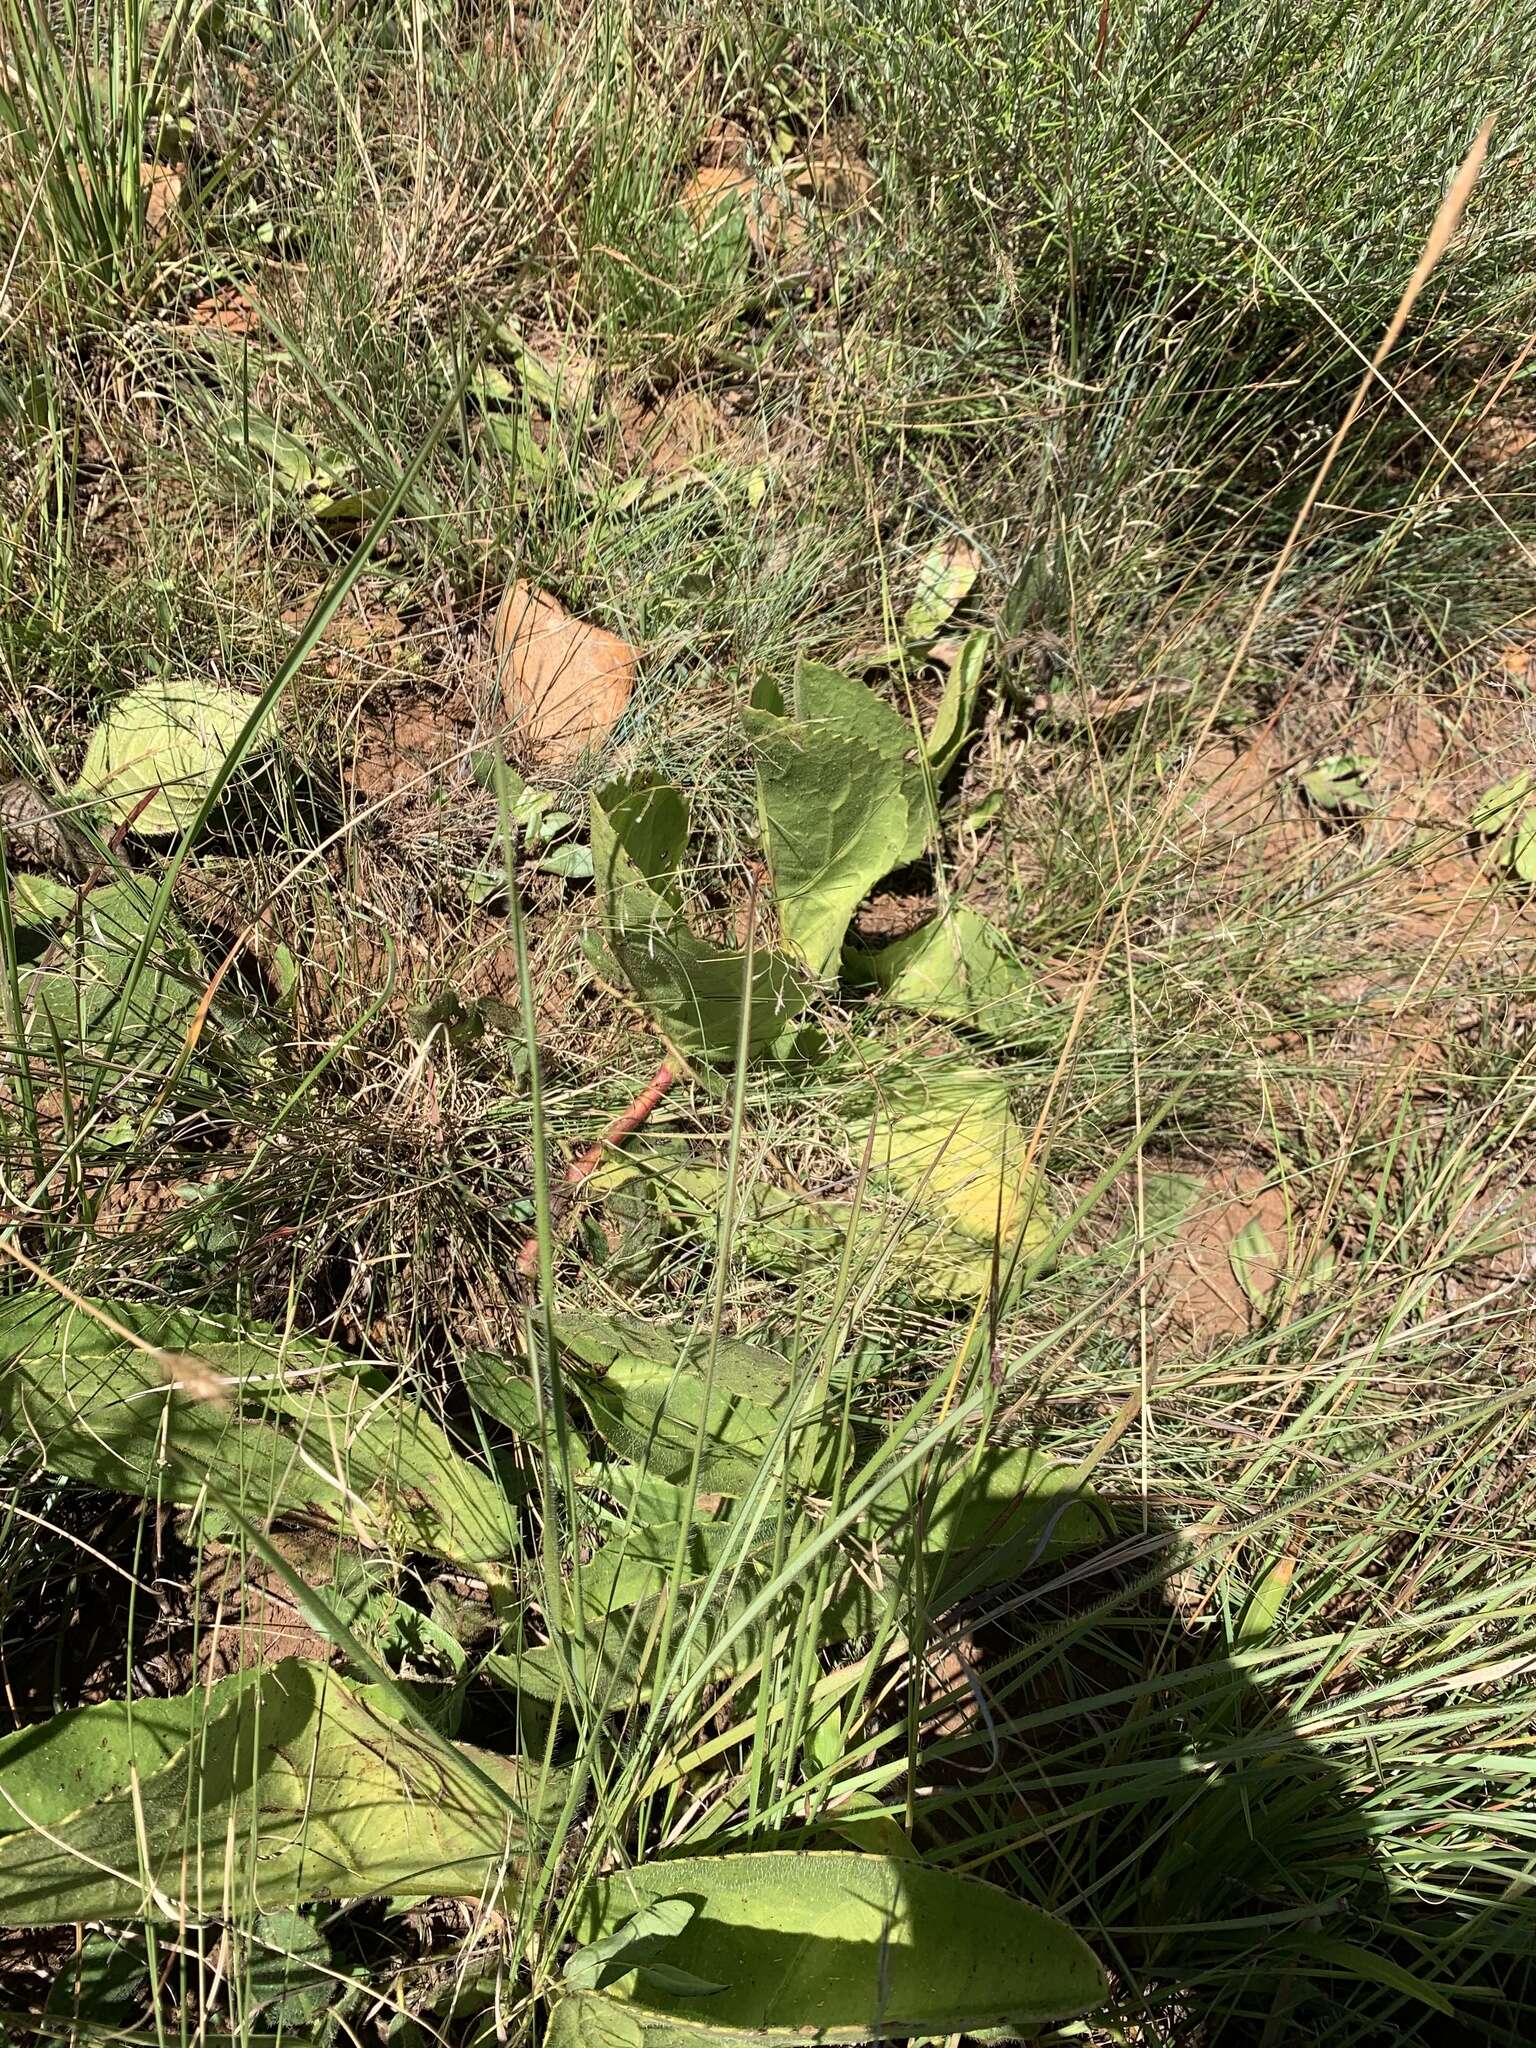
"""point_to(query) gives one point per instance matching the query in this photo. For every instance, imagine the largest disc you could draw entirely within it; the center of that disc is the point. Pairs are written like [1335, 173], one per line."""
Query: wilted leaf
[944, 581]
[294, 1786]
[37, 827]
[565, 683]
[946, 1137]
[841, 800]
[274, 1426]
[959, 968]
[1341, 783]
[836, 1947]
[956, 711]
[692, 987]
[1499, 806]
[166, 737]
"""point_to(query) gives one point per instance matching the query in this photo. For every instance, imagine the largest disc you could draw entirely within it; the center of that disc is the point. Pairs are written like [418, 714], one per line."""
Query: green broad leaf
[944, 581]
[570, 380]
[956, 711]
[692, 987]
[831, 1946]
[273, 1426]
[841, 802]
[584, 2020]
[916, 1553]
[503, 1391]
[1499, 806]
[514, 437]
[637, 1941]
[38, 901]
[1340, 784]
[167, 740]
[53, 1770]
[649, 1399]
[294, 1787]
[833, 823]
[1255, 1263]
[105, 1984]
[283, 453]
[347, 507]
[1517, 849]
[621, 1651]
[288, 1975]
[637, 1563]
[959, 968]
[572, 863]
[945, 1136]
[90, 988]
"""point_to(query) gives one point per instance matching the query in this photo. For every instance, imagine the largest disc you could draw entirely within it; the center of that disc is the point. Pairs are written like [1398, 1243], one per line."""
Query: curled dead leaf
[565, 683]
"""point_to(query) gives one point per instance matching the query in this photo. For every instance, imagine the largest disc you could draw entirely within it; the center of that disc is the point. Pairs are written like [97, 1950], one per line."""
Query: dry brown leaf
[228, 310]
[162, 194]
[716, 186]
[565, 683]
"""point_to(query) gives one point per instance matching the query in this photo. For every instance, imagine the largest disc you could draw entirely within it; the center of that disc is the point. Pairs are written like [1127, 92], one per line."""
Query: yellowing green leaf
[1266, 1601]
[166, 740]
[945, 1135]
[294, 1786]
[944, 581]
[273, 1426]
[836, 1947]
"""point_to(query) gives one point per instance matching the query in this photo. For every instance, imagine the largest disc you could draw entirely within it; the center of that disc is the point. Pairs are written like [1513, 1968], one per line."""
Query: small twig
[585, 1164]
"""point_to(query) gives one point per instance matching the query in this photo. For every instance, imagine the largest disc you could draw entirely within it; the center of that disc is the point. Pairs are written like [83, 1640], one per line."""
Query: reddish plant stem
[585, 1164]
